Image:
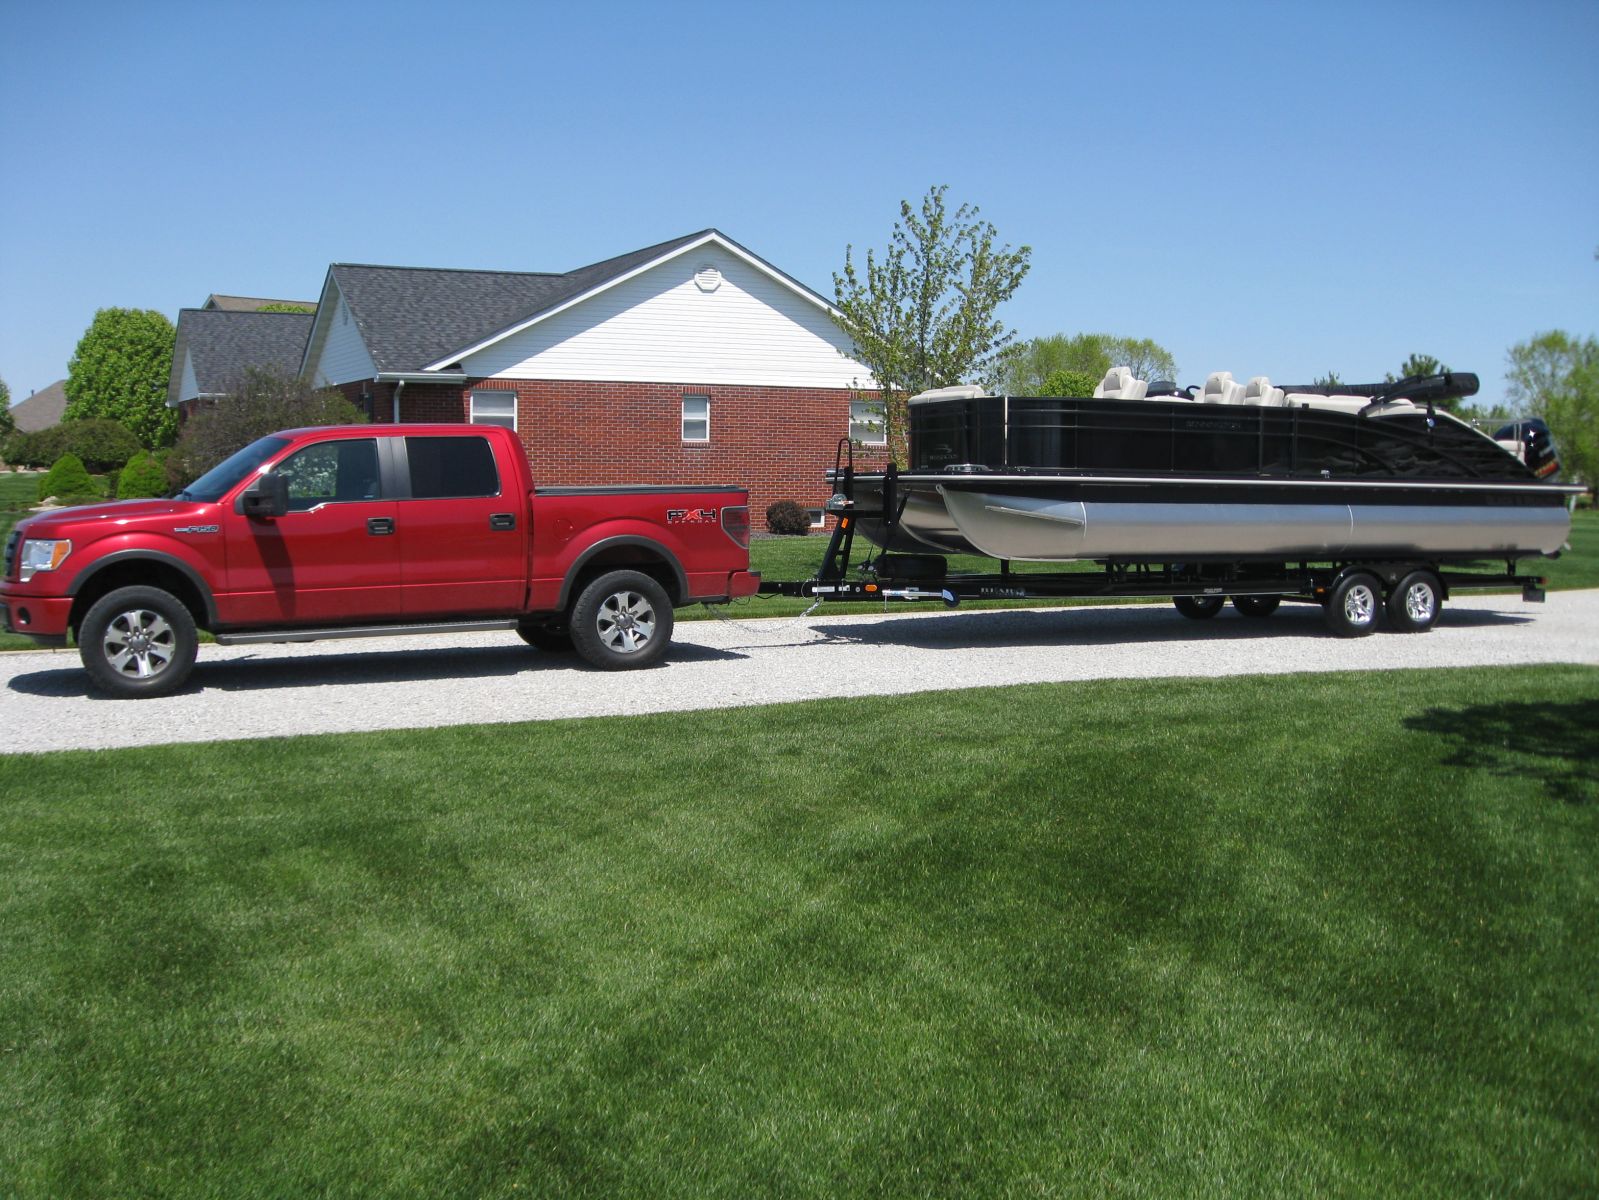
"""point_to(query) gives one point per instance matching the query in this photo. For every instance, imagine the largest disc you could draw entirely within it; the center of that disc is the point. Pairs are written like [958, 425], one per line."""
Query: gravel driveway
[416, 682]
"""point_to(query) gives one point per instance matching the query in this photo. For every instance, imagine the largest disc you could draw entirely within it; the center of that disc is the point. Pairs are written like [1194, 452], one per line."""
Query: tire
[622, 619]
[1355, 605]
[1198, 608]
[138, 641]
[542, 637]
[1414, 605]
[1257, 606]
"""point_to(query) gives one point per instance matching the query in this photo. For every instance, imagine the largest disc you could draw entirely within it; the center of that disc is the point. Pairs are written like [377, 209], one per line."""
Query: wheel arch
[626, 552]
[142, 568]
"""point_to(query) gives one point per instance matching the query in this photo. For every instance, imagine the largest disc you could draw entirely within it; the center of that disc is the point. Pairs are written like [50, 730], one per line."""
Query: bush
[67, 481]
[99, 444]
[143, 477]
[787, 517]
[1069, 383]
[262, 402]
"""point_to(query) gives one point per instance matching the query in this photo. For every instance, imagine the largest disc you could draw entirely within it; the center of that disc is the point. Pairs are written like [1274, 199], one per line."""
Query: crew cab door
[333, 557]
[464, 544]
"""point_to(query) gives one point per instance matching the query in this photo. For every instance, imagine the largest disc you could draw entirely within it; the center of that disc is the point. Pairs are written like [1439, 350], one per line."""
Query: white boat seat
[1119, 384]
[1345, 404]
[1514, 446]
[1220, 388]
[1259, 391]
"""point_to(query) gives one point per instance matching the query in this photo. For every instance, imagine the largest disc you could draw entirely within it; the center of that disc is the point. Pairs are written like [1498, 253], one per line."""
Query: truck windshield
[214, 484]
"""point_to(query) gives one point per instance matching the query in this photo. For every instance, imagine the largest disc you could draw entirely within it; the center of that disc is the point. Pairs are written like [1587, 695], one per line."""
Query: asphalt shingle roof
[222, 343]
[42, 409]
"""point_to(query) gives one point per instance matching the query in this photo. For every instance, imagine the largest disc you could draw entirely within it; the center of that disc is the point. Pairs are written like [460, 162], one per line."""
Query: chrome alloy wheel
[626, 621]
[1360, 605]
[1421, 603]
[139, 644]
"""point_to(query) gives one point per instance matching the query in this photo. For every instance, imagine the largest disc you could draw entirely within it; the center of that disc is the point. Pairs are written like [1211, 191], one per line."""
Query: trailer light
[41, 556]
[871, 587]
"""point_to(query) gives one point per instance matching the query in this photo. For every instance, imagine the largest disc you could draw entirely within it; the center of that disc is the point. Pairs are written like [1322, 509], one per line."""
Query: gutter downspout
[398, 388]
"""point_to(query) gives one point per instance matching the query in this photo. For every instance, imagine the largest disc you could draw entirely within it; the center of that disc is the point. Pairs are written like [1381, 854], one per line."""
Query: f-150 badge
[197, 529]
[691, 516]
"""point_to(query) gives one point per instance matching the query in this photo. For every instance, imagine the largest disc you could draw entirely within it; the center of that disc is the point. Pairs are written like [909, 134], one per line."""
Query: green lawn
[1273, 936]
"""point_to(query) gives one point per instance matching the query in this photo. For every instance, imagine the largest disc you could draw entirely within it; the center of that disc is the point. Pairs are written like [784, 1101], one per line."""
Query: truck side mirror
[268, 496]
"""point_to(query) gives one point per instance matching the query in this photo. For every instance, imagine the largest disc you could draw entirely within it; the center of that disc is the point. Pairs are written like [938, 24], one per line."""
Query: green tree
[263, 402]
[1556, 376]
[1426, 364]
[120, 370]
[1069, 383]
[8, 423]
[1023, 368]
[1329, 380]
[286, 308]
[921, 313]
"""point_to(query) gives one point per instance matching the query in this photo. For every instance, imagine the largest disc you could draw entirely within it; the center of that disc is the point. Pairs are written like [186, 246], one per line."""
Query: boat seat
[1514, 448]
[1259, 391]
[1119, 384]
[1345, 404]
[1220, 388]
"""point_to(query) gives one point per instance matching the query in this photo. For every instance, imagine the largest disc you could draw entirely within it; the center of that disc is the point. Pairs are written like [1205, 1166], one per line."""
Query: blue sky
[1280, 189]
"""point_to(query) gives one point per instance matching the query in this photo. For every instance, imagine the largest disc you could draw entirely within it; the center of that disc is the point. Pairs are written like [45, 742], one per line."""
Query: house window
[696, 418]
[866, 423]
[494, 408]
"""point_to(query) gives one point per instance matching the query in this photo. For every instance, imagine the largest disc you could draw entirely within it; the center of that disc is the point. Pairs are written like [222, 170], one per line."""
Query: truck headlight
[42, 556]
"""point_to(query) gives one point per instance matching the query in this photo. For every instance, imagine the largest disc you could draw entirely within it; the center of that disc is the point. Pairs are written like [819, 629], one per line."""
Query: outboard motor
[1537, 446]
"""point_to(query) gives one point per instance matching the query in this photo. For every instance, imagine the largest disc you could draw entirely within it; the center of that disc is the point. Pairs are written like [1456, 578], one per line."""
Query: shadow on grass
[1104, 627]
[1552, 744]
[268, 673]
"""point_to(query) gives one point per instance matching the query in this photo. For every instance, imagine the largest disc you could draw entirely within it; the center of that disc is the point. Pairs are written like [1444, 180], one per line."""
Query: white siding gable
[343, 356]
[663, 326]
[189, 389]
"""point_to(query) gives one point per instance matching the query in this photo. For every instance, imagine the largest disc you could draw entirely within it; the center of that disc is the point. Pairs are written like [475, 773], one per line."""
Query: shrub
[98, 443]
[67, 480]
[787, 517]
[144, 476]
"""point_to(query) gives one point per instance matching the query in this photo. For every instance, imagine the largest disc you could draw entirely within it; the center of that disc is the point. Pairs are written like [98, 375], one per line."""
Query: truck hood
[91, 522]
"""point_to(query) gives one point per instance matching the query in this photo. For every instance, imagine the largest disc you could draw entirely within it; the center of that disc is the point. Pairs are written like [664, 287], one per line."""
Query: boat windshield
[214, 484]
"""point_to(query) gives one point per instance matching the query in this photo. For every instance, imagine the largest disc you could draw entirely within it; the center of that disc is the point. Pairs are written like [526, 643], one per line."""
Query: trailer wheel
[622, 619]
[1413, 605]
[543, 637]
[1257, 606]
[1198, 608]
[1353, 607]
[138, 641]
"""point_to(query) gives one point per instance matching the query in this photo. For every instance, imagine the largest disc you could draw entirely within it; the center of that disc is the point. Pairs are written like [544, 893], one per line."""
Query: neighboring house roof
[215, 346]
[249, 303]
[420, 319]
[42, 409]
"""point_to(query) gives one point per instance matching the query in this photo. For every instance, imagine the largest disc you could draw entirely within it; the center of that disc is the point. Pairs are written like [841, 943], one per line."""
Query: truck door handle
[502, 521]
[378, 526]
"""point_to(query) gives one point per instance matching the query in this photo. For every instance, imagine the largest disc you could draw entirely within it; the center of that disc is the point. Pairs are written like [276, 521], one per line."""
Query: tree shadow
[1553, 744]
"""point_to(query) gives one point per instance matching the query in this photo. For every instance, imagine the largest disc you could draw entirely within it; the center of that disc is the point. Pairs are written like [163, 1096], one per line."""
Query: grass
[1271, 936]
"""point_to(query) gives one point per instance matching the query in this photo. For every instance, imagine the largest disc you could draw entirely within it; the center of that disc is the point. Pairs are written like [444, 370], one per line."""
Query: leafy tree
[286, 308]
[144, 476]
[67, 480]
[1418, 364]
[101, 445]
[1024, 368]
[921, 314]
[262, 402]
[8, 423]
[1329, 380]
[1070, 383]
[120, 370]
[1556, 376]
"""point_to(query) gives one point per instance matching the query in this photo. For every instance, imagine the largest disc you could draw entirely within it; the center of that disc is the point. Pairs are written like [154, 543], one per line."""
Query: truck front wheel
[138, 641]
[622, 619]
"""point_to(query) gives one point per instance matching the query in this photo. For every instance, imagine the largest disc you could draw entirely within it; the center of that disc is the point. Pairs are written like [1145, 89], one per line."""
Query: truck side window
[332, 473]
[446, 467]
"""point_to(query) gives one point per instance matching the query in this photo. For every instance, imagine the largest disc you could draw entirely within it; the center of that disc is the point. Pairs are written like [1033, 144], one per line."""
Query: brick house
[693, 361]
[218, 341]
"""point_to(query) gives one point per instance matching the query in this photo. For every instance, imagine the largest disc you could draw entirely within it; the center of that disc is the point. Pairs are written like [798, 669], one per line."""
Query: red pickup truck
[365, 530]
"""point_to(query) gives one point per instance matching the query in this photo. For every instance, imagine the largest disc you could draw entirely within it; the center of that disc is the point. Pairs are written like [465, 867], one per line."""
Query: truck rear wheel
[138, 641]
[622, 619]
[1355, 604]
[1413, 605]
[1198, 608]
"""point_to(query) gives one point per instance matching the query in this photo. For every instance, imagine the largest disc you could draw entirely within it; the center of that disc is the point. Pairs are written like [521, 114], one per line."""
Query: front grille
[12, 543]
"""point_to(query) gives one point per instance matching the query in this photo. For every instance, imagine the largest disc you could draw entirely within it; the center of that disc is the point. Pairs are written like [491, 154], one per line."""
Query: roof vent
[708, 278]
